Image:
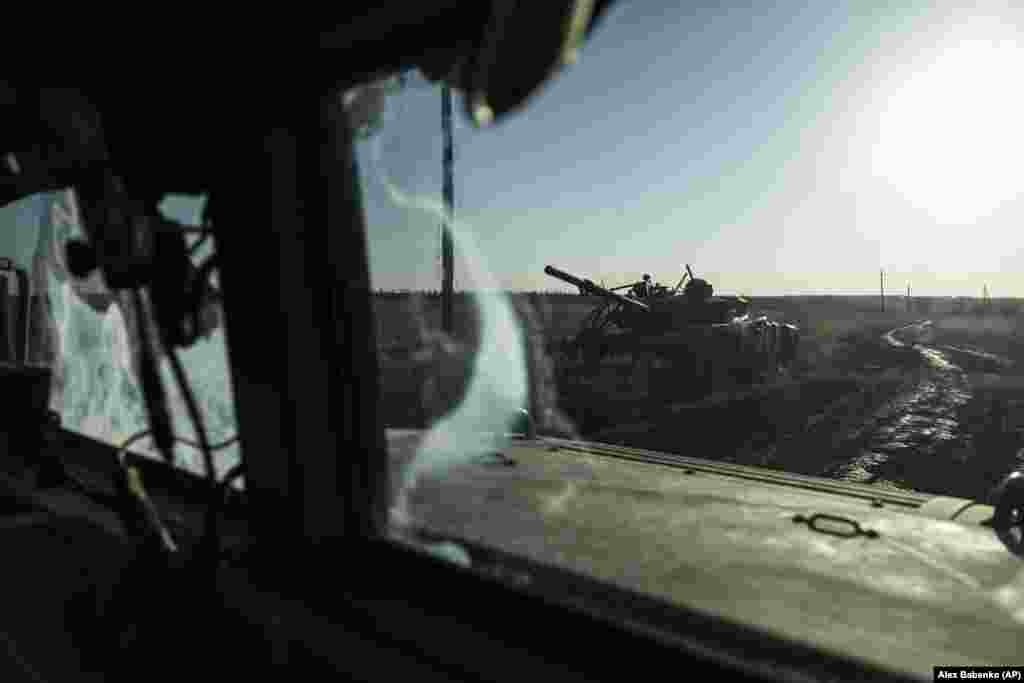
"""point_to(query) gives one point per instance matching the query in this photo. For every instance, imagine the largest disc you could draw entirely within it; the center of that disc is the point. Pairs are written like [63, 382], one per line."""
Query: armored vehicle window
[798, 160]
[84, 333]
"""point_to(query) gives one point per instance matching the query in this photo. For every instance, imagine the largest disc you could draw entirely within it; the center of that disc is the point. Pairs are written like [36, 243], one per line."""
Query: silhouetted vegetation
[463, 294]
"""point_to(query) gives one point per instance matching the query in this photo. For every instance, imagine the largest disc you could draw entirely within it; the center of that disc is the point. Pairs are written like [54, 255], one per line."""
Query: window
[82, 331]
[812, 161]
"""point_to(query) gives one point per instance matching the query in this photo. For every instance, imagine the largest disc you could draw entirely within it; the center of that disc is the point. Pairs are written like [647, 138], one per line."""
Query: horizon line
[552, 292]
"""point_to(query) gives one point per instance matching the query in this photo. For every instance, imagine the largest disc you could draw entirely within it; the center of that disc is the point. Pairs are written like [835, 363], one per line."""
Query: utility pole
[881, 282]
[908, 297]
[448, 192]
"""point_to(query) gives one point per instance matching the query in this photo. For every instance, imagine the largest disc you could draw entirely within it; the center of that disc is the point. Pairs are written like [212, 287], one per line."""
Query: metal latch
[835, 525]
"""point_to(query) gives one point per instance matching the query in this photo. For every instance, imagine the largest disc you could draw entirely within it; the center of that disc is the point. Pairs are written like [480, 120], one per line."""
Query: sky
[796, 148]
[778, 148]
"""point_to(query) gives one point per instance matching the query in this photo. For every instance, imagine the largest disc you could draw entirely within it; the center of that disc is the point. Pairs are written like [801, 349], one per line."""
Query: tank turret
[698, 290]
[689, 326]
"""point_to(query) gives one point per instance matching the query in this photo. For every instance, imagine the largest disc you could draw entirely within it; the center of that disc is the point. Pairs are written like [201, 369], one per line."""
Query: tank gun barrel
[566, 277]
[588, 287]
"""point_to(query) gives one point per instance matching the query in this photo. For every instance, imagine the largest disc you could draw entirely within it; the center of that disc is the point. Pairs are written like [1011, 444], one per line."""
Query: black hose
[210, 542]
[152, 387]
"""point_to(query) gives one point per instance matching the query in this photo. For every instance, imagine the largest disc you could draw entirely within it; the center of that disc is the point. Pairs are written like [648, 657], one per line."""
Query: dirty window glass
[825, 199]
[80, 329]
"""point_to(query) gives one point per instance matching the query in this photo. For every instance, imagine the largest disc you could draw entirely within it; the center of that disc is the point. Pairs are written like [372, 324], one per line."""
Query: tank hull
[690, 362]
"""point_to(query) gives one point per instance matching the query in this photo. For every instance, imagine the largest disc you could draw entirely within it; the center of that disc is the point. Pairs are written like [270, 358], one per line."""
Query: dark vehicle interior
[122, 567]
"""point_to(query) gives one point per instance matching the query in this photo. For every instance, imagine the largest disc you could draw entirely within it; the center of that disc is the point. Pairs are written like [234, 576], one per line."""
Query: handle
[842, 526]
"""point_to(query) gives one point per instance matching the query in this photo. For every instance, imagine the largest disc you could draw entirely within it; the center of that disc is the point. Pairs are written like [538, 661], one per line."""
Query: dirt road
[918, 439]
[902, 413]
[900, 443]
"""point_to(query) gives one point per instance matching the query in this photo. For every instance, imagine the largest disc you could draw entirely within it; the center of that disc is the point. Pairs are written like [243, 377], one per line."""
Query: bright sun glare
[951, 134]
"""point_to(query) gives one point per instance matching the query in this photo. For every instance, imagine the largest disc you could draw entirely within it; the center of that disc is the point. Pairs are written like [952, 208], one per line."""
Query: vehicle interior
[285, 509]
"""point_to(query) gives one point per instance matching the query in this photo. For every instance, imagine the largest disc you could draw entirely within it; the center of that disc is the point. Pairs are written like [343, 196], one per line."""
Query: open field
[555, 314]
[409, 324]
[848, 389]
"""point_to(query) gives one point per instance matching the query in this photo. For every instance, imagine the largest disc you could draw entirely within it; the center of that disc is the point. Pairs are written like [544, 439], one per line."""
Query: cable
[212, 511]
[206, 233]
[152, 386]
[209, 540]
[219, 446]
[138, 436]
[161, 429]
[202, 294]
[236, 472]
[194, 415]
[128, 485]
[207, 228]
[214, 447]
[207, 267]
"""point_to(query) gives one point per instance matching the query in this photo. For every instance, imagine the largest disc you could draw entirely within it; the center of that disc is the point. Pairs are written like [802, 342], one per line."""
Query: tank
[686, 340]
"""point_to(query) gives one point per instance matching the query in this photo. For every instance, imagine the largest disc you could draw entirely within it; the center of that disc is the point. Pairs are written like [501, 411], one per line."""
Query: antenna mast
[448, 192]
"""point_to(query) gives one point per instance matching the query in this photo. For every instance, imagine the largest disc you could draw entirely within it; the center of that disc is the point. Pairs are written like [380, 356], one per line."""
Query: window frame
[319, 523]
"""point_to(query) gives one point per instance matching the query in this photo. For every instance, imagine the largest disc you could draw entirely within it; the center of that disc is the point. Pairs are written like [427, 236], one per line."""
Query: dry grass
[845, 372]
[841, 347]
[411, 321]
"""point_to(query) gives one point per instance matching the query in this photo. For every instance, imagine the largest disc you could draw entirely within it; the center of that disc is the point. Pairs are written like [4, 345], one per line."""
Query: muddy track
[897, 409]
[901, 444]
[900, 412]
[914, 439]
